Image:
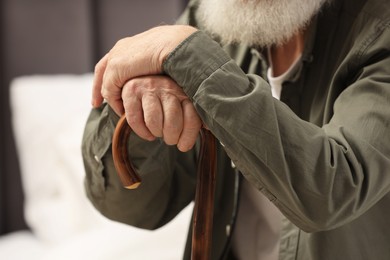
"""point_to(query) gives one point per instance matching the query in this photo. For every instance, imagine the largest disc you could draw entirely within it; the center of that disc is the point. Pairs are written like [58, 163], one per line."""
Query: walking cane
[204, 197]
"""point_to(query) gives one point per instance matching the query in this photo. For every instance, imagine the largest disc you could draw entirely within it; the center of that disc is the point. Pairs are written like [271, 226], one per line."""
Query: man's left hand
[131, 57]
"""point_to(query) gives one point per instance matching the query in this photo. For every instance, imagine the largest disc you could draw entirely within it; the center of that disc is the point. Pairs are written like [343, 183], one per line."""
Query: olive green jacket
[321, 154]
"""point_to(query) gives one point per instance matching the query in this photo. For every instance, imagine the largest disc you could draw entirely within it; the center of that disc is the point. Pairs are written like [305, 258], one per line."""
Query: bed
[48, 117]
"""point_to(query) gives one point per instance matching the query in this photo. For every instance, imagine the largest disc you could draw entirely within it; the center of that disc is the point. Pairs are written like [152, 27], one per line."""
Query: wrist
[177, 35]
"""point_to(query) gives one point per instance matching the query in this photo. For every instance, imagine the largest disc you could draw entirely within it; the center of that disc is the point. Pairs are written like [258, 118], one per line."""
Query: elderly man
[298, 94]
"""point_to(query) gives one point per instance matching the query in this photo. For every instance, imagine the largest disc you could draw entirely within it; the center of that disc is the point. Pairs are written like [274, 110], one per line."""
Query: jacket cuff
[194, 60]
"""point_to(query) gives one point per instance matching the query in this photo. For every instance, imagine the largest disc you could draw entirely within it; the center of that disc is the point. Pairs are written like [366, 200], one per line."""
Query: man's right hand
[155, 106]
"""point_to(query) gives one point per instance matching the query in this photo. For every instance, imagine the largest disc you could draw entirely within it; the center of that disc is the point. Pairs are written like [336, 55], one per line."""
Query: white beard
[256, 22]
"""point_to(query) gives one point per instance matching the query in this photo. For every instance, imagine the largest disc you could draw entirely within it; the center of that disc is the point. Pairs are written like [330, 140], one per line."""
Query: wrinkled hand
[156, 106]
[140, 55]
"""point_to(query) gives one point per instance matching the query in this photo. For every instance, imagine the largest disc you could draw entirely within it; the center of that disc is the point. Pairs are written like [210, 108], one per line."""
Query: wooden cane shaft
[204, 197]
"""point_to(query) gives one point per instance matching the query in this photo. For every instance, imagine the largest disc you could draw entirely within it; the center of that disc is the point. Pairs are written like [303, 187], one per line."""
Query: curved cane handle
[126, 172]
[204, 197]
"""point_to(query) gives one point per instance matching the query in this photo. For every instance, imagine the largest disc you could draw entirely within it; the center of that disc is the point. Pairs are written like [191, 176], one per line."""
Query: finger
[153, 114]
[113, 97]
[173, 119]
[112, 84]
[191, 126]
[134, 116]
[100, 67]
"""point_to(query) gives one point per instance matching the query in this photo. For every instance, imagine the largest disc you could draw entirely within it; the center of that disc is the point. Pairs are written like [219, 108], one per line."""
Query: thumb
[100, 68]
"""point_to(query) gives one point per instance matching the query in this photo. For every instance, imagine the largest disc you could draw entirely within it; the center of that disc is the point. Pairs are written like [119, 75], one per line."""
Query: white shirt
[257, 231]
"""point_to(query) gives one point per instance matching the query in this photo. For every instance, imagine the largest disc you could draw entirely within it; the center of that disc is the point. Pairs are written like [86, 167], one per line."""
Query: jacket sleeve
[162, 168]
[320, 178]
[168, 175]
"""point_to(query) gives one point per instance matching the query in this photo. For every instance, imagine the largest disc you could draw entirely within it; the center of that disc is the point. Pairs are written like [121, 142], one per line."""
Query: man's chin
[256, 23]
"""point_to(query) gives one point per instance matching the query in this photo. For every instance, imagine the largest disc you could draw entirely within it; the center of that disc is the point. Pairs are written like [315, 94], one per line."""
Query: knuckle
[104, 93]
[130, 87]
[121, 41]
[148, 81]
[126, 93]
[98, 68]
[115, 62]
[164, 80]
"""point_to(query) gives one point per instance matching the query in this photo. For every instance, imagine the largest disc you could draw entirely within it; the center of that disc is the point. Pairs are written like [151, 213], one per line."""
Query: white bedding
[49, 113]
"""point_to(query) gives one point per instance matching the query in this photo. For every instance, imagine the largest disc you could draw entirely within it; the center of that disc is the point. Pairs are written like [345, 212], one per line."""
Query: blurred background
[48, 48]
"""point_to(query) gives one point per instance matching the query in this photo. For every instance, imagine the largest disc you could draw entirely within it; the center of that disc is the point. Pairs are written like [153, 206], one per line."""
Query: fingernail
[151, 138]
[183, 148]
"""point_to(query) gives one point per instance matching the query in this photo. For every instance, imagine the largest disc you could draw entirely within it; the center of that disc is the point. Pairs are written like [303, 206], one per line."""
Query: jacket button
[228, 229]
[232, 164]
[96, 158]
